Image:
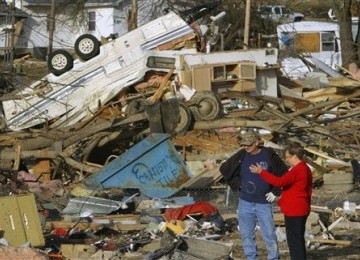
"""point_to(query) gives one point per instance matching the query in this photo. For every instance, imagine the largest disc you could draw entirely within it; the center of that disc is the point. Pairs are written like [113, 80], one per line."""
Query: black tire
[206, 106]
[87, 46]
[59, 62]
[185, 119]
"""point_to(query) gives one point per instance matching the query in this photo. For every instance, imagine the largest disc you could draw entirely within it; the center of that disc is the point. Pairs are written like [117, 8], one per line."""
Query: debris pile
[102, 178]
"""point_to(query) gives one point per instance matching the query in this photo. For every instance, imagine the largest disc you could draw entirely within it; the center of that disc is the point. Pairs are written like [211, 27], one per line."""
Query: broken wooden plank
[50, 225]
[326, 156]
[285, 91]
[344, 83]
[322, 92]
[349, 114]
[203, 179]
[160, 91]
[329, 241]
[321, 209]
[237, 122]
[324, 98]
[202, 143]
[350, 225]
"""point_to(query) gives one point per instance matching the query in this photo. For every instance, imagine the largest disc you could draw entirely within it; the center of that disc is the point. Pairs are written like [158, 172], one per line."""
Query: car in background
[279, 13]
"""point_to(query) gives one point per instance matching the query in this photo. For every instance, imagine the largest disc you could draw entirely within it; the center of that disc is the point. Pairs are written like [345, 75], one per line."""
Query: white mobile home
[315, 39]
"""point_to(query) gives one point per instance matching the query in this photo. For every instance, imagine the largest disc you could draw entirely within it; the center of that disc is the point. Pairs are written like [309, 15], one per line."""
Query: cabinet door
[202, 78]
[31, 220]
[11, 222]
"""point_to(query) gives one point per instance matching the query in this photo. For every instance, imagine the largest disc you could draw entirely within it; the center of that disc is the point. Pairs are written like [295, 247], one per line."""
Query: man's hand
[270, 197]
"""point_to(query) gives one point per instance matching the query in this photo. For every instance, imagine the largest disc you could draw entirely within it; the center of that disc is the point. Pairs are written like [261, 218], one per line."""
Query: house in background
[314, 41]
[100, 18]
[5, 26]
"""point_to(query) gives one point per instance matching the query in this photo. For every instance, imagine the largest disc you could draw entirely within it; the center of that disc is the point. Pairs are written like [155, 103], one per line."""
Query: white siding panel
[120, 22]
[104, 22]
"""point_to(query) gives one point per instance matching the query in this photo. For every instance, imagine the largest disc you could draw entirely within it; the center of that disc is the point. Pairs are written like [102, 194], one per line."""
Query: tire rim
[206, 107]
[86, 46]
[59, 61]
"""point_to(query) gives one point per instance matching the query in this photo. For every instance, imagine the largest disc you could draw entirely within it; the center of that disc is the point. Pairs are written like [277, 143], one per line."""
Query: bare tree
[342, 11]
[132, 18]
[357, 38]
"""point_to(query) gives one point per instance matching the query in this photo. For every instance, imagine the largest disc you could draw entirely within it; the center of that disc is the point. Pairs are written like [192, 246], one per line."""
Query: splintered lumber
[177, 43]
[336, 242]
[344, 83]
[70, 224]
[160, 91]
[322, 92]
[204, 179]
[237, 122]
[348, 225]
[203, 143]
[324, 98]
[349, 114]
[310, 109]
[291, 120]
[117, 222]
[324, 155]
[219, 156]
[321, 209]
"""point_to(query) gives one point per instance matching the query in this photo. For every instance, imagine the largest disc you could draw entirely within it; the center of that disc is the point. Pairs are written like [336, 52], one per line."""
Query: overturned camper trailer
[77, 89]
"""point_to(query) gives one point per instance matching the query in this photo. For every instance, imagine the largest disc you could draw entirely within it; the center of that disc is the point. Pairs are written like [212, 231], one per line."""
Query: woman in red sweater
[295, 201]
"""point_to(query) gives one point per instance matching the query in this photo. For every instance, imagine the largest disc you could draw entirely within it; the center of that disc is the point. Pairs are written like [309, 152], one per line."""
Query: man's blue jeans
[248, 215]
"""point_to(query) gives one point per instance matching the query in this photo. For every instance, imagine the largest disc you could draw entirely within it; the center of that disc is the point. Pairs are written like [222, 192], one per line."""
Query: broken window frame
[92, 21]
[160, 62]
[327, 40]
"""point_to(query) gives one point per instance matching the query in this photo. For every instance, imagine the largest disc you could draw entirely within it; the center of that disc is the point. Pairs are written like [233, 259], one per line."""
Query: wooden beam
[324, 155]
[328, 241]
[160, 91]
[321, 92]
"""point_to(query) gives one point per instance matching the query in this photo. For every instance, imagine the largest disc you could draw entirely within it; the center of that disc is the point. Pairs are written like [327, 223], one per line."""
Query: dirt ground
[323, 253]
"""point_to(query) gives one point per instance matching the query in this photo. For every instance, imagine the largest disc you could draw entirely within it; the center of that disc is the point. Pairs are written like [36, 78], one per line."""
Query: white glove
[270, 197]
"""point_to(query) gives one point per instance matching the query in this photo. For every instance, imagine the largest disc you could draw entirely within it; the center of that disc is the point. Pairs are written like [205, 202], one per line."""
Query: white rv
[75, 89]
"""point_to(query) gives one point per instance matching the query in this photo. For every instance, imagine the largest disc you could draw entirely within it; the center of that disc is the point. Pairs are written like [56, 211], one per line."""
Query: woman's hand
[255, 168]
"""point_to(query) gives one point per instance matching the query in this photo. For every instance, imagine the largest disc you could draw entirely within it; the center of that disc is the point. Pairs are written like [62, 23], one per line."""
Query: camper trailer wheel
[87, 46]
[185, 119]
[59, 62]
[206, 106]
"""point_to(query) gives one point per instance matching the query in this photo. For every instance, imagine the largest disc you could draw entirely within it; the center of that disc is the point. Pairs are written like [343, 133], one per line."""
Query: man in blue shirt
[256, 196]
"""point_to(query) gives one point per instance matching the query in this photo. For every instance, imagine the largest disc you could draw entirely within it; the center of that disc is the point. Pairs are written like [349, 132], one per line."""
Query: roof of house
[4, 11]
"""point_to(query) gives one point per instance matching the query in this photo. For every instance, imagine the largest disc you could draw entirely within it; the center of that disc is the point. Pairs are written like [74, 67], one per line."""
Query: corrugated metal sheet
[93, 205]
